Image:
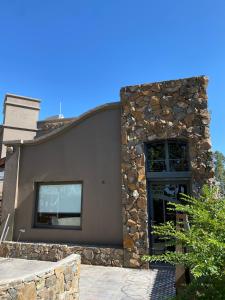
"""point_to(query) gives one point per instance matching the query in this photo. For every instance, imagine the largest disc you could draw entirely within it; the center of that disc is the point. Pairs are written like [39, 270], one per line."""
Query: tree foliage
[219, 162]
[204, 240]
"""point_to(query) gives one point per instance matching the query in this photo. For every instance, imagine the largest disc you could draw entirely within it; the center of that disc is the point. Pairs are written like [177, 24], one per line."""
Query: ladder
[5, 230]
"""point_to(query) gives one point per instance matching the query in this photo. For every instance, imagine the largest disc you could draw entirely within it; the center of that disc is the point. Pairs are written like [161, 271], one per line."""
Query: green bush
[204, 242]
[219, 164]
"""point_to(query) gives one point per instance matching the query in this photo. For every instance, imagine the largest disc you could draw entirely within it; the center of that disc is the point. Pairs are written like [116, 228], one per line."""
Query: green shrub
[219, 164]
[204, 242]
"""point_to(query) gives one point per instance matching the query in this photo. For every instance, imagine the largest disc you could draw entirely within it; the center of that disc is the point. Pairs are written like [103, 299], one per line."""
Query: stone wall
[164, 110]
[49, 125]
[54, 252]
[61, 281]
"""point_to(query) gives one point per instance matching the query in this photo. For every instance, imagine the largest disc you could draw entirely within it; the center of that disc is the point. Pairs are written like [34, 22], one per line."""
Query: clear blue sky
[82, 52]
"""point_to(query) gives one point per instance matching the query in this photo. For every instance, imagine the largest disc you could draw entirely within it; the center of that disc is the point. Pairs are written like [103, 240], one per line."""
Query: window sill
[161, 175]
[57, 227]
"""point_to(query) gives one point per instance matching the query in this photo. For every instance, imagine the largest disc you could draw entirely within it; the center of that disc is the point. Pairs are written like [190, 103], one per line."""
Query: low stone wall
[54, 252]
[61, 281]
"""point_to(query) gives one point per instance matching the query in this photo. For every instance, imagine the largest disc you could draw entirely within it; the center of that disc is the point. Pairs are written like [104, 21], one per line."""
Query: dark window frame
[150, 206]
[63, 227]
[163, 175]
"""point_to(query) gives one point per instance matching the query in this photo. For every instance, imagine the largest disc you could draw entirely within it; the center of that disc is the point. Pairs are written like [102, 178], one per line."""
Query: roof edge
[201, 77]
[58, 131]
[56, 120]
[21, 97]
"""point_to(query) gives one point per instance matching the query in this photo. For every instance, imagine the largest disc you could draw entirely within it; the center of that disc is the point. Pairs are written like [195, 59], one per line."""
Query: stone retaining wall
[61, 281]
[54, 252]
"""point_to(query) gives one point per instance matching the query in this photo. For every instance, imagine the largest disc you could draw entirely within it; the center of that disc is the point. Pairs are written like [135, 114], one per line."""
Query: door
[159, 196]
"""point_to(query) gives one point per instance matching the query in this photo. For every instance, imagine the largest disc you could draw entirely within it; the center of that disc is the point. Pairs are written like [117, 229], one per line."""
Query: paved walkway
[110, 283]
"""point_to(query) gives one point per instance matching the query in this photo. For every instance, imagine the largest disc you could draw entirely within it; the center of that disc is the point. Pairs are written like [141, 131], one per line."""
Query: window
[59, 205]
[167, 156]
[161, 194]
[2, 174]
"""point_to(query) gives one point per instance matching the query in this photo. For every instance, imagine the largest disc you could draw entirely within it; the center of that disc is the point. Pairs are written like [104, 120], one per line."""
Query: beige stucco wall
[13, 134]
[20, 119]
[22, 100]
[88, 151]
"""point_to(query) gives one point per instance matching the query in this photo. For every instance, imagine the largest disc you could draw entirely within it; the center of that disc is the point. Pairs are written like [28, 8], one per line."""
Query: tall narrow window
[59, 205]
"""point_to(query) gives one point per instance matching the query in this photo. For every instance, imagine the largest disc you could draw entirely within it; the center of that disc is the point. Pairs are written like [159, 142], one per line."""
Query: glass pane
[156, 157]
[2, 174]
[156, 151]
[158, 211]
[161, 195]
[177, 150]
[60, 198]
[178, 156]
[177, 165]
[58, 219]
[157, 166]
[59, 204]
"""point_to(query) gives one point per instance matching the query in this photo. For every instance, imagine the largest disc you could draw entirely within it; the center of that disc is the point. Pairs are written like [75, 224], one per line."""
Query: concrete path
[13, 268]
[110, 283]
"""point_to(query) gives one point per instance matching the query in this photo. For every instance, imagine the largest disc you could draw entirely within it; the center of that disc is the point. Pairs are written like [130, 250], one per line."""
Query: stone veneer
[49, 125]
[163, 110]
[61, 281]
[54, 252]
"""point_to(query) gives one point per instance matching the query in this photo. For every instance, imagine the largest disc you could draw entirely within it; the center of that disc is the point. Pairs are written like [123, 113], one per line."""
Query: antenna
[60, 111]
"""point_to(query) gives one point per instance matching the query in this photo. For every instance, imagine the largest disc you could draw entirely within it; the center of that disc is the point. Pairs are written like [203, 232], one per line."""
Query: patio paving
[101, 283]
[104, 283]
[14, 268]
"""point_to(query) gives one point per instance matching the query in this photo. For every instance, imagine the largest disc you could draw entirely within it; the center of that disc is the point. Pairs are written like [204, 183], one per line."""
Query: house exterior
[106, 177]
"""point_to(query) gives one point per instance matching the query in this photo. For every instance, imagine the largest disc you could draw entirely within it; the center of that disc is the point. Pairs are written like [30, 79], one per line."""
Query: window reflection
[167, 156]
[157, 157]
[161, 195]
[178, 156]
[59, 205]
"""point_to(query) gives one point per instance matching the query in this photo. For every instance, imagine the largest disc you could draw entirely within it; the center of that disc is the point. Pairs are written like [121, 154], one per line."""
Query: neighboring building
[105, 177]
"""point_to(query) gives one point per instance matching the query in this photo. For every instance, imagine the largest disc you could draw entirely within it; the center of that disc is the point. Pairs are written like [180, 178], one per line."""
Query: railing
[5, 230]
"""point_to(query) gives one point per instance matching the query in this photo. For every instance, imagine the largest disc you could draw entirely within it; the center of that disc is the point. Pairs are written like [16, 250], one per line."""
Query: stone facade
[54, 252]
[159, 111]
[61, 281]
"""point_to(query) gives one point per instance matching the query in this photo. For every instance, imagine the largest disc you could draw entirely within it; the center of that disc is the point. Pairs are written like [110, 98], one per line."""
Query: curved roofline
[56, 120]
[61, 130]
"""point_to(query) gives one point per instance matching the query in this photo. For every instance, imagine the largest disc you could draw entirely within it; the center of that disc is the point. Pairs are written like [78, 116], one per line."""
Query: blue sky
[81, 52]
